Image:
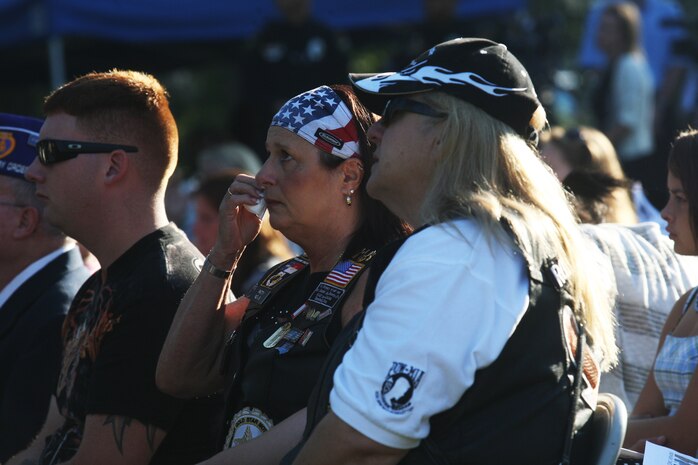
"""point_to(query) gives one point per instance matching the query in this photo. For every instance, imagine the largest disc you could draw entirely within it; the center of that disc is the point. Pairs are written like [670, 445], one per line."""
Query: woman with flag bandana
[265, 349]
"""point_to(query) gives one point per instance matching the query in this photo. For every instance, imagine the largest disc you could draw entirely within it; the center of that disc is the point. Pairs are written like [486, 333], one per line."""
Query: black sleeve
[28, 386]
[123, 378]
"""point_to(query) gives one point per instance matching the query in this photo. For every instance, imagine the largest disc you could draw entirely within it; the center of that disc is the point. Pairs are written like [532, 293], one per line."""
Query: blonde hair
[486, 171]
[589, 150]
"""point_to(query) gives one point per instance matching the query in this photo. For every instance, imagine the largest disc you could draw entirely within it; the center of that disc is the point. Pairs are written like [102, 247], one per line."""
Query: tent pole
[56, 57]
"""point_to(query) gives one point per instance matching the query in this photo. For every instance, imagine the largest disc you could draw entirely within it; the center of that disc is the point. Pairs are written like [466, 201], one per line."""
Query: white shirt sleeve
[444, 307]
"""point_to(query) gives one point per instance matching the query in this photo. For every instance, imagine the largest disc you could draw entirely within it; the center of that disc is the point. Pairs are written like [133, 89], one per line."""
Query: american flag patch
[343, 273]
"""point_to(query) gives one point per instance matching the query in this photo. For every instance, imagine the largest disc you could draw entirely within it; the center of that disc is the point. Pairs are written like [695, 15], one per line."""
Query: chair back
[607, 429]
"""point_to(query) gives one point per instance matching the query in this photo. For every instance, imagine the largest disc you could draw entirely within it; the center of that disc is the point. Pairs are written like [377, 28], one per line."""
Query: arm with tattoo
[116, 439]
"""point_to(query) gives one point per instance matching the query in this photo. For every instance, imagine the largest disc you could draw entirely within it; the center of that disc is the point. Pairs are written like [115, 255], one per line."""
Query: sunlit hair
[601, 190]
[483, 169]
[683, 164]
[378, 224]
[124, 107]
[629, 23]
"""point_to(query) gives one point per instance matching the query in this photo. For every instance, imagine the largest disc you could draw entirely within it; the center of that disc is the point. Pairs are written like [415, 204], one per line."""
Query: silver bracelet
[213, 270]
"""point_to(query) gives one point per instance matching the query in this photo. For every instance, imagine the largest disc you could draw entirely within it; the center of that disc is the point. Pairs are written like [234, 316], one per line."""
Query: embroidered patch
[274, 279]
[343, 273]
[326, 295]
[247, 424]
[7, 143]
[398, 387]
[293, 267]
[259, 295]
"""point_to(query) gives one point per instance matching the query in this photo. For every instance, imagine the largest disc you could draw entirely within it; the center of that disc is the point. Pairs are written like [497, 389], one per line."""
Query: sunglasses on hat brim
[52, 151]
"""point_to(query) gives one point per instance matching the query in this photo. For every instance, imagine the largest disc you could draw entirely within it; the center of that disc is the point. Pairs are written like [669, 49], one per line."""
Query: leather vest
[282, 342]
[518, 408]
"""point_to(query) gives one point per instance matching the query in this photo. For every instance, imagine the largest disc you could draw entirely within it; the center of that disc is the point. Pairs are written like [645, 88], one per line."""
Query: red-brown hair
[124, 107]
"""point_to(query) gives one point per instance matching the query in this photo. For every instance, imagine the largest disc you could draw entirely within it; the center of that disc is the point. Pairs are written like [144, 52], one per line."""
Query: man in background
[40, 271]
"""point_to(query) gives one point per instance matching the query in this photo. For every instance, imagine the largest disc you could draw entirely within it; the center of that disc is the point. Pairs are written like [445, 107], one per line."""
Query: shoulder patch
[398, 388]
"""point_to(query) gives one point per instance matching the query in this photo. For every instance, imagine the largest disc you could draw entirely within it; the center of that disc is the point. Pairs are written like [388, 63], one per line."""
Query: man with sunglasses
[40, 272]
[105, 153]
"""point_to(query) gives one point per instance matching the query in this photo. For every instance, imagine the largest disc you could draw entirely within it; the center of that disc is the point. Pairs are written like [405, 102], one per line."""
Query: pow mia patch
[398, 387]
[247, 424]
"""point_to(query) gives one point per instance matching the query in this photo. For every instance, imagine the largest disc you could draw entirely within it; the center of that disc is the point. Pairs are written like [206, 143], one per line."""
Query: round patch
[7, 143]
[398, 388]
[247, 424]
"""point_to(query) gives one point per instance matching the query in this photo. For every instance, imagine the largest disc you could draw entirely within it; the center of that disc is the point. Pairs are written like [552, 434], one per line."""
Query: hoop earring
[348, 198]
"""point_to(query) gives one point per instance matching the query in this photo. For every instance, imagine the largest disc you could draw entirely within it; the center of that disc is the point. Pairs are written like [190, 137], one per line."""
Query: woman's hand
[639, 446]
[237, 227]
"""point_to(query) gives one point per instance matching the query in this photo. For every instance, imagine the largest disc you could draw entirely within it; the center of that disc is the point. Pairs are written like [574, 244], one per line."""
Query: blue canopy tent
[162, 20]
[138, 21]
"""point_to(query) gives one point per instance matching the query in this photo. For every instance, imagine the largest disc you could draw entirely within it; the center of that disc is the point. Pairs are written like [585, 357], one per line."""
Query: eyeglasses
[399, 104]
[52, 151]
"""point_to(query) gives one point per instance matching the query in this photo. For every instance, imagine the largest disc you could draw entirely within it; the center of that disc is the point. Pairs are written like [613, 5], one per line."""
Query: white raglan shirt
[444, 307]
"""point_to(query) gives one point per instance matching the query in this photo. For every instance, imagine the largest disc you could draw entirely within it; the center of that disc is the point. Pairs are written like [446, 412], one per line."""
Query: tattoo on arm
[119, 425]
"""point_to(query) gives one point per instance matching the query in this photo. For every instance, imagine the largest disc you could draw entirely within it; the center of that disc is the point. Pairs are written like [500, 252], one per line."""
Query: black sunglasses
[52, 151]
[399, 104]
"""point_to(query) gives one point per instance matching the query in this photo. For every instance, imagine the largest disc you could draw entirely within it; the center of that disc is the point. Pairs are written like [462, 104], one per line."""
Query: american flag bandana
[323, 119]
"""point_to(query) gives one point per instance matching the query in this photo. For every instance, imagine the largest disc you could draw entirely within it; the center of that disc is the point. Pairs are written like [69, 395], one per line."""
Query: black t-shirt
[113, 336]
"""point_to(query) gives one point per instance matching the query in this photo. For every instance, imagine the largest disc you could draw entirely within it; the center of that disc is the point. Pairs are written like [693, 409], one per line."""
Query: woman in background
[624, 99]
[649, 276]
[667, 410]
[586, 163]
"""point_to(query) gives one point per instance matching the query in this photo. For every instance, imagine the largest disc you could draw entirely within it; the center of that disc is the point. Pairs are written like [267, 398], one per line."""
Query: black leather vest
[517, 410]
[273, 359]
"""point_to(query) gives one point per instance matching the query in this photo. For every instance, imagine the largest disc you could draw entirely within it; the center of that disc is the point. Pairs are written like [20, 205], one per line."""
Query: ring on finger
[230, 193]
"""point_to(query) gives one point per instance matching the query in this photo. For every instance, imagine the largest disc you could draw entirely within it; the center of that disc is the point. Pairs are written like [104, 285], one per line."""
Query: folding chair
[607, 430]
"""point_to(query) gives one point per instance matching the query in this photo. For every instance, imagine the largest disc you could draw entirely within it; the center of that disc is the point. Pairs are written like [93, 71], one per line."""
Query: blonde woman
[460, 355]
